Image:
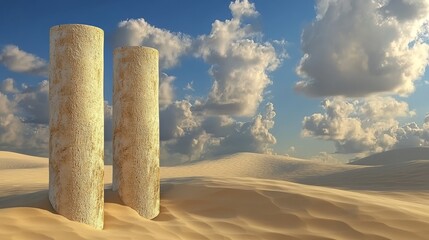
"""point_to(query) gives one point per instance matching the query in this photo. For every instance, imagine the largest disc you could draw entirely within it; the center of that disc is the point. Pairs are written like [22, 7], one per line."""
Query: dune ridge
[394, 156]
[12, 160]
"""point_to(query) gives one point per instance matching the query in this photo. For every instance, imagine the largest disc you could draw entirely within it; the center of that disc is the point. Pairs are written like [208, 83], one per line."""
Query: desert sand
[242, 196]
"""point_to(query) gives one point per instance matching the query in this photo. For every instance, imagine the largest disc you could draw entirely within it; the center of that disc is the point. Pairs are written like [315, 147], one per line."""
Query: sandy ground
[242, 196]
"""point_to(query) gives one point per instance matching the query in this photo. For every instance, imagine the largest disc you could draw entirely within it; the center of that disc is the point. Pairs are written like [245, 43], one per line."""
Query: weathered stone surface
[136, 129]
[76, 146]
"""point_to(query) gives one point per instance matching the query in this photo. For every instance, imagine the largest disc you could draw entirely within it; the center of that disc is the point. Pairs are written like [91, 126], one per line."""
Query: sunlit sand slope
[243, 196]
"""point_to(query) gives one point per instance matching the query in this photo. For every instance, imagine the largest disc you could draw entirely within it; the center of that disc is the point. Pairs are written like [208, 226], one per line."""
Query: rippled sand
[242, 196]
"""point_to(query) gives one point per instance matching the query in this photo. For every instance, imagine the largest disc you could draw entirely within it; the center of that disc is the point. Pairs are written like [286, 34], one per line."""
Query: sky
[327, 80]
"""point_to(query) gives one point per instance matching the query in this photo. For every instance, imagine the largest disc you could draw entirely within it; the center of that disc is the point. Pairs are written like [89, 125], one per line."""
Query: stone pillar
[136, 129]
[76, 144]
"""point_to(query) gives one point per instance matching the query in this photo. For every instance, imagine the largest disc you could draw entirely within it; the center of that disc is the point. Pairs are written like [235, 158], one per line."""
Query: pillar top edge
[57, 27]
[134, 48]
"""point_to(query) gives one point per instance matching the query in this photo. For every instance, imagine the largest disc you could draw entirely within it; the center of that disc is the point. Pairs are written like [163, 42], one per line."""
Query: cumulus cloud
[182, 138]
[20, 61]
[176, 119]
[356, 48]
[21, 127]
[137, 32]
[29, 102]
[253, 136]
[366, 125]
[240, 9]
[189, 147]
[8, 86]
[188, 136]
[32, 103]
[166, 90]
[413, 135]
[405, 10]
[240, 63]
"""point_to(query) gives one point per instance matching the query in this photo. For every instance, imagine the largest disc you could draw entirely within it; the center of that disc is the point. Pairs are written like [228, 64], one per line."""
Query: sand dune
[243, 196]
[394, 156]
[258, 166]
[401, 176]
[11, 160]
[399, 169]
[393, 175]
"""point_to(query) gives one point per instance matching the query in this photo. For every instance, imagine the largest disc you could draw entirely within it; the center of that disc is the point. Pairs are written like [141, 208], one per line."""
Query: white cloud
[220, 125]
[176, 119]
[188, 147]
[240, 63]
[166, 90]
[243, 8]
[253, 136]
[406, 10]
[356, 48]
[18, 130]
[413, 135]
[356, 126]
[8, 86]
[32, 103]
[189, 86]
[188, 136]
[20, 61]
[182, 138]
[137, 32]
[10, 125]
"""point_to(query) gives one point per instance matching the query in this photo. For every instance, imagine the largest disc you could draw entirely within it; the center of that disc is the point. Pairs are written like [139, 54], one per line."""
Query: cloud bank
[24, 118]
[188, 136]
[357, 48]
[366, 125]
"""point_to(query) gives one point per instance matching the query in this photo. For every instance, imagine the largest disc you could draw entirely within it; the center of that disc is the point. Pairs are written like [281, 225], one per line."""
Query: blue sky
[304, 27]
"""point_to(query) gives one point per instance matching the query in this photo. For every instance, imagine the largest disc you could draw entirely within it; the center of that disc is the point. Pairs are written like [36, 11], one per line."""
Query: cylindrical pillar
[76, 144]
[136, 129]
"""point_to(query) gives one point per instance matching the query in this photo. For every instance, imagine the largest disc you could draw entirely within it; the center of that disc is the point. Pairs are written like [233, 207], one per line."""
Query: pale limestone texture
[76, 144]
[136, 129]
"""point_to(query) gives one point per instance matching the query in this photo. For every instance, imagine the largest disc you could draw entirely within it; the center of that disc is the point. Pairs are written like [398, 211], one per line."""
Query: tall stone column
[76, 144]
[136, 129]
